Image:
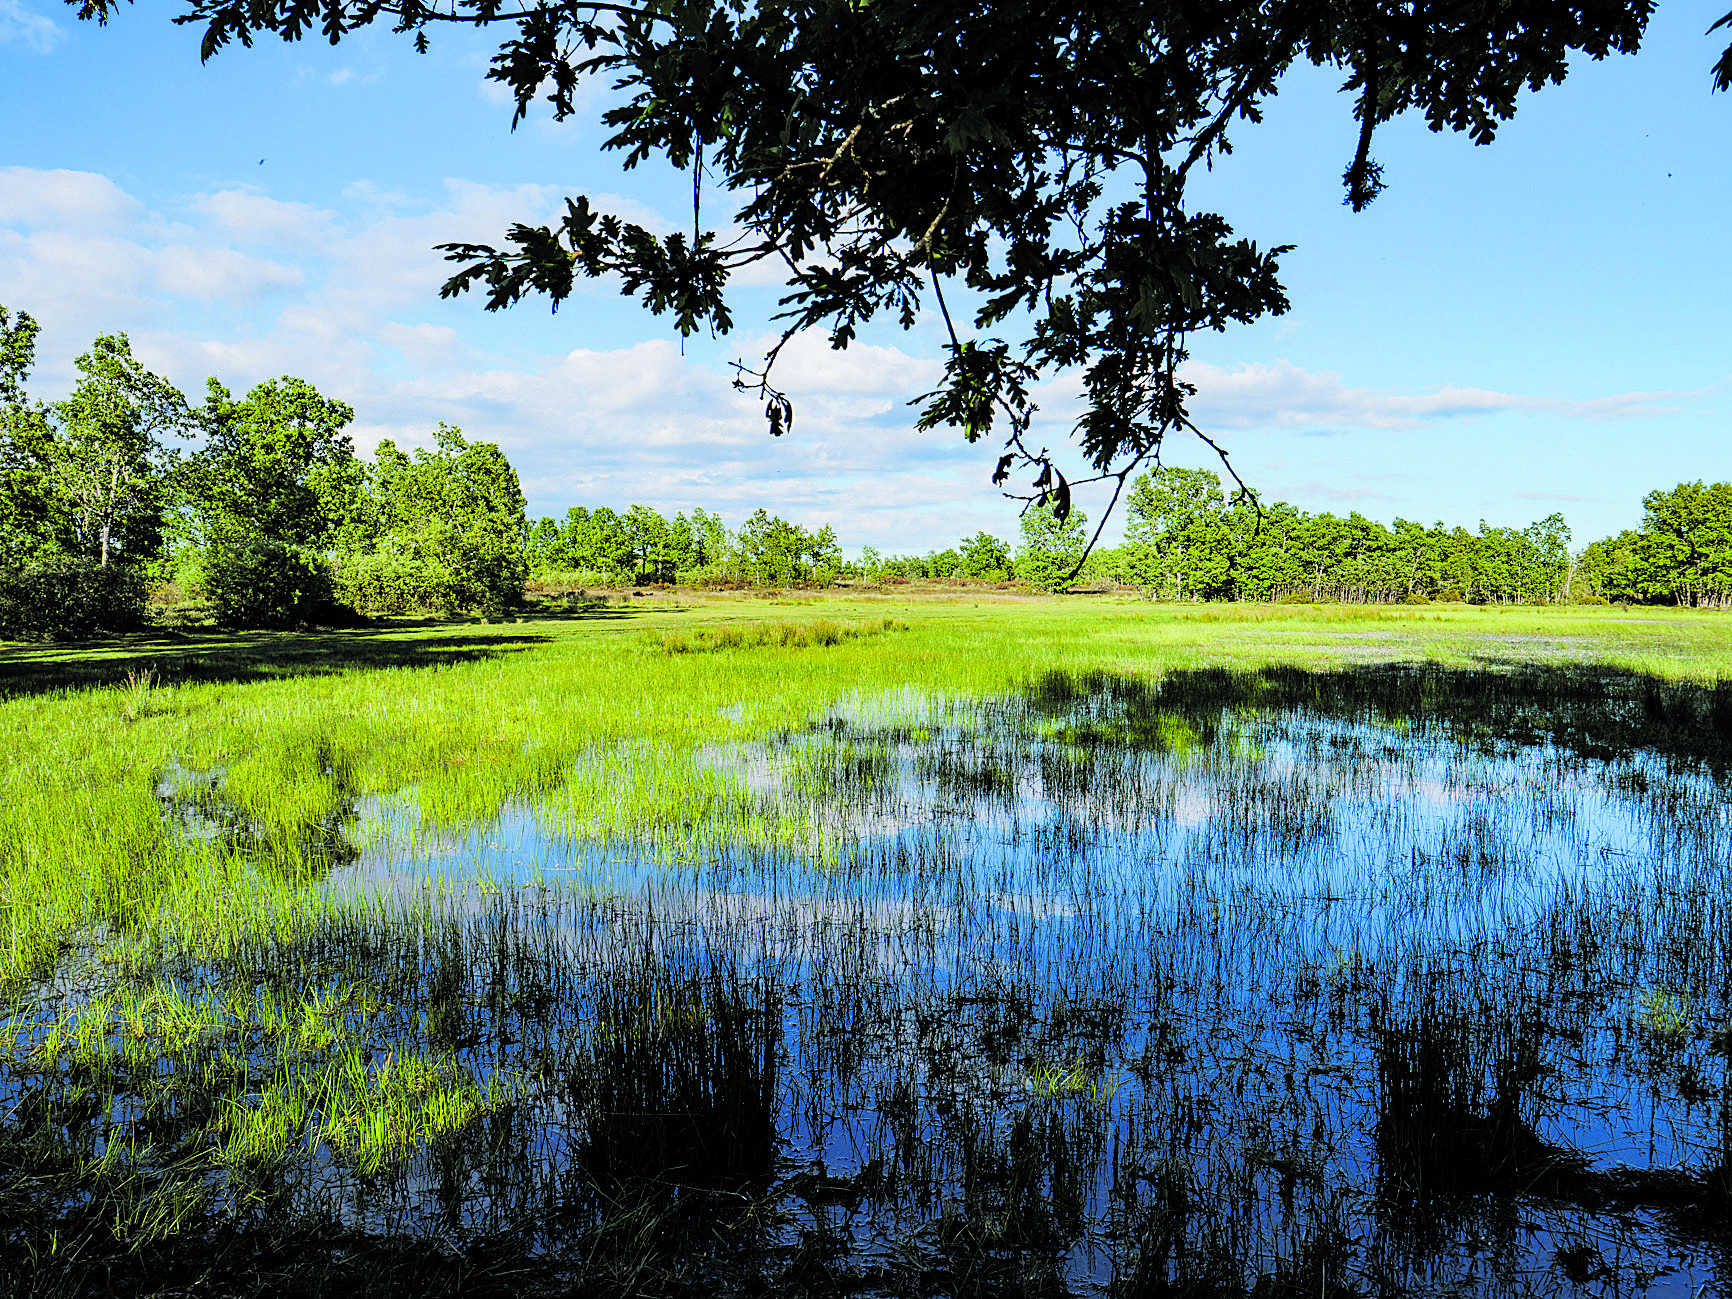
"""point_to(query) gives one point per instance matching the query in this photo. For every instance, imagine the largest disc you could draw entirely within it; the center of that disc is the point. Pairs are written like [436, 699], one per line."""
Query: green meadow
[279, 1005]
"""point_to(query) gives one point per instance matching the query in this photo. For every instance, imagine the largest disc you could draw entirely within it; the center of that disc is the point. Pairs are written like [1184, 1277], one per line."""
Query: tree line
[1185, 538]
[600, 547]
[271, 518]
[1682, 554]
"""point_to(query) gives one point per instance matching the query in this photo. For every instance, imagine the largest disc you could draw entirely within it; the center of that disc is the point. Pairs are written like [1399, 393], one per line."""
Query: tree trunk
[108, 520]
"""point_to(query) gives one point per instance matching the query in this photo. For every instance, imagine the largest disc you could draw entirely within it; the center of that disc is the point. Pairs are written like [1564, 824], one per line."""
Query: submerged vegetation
[966, 951]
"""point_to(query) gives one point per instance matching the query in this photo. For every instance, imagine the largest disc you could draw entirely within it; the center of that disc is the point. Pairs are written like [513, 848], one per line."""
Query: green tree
[1178, 543]
[1040, 155]
[1546, 560]
[573, 538]
[824, 554]
[1266, 543]
[1415, 558]
[681, 548]
[27, 478]
[601, 543]
[943, 563]
[648, 548]
[543, 546]
[1610, 569]
[773, 551]
[1051, 547]
[453, 516]
[110, 467]
[276, 464]
[710, 538]
[1685, 550]
[985, 556]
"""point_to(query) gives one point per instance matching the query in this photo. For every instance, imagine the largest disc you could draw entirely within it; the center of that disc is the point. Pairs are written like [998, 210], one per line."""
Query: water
[1398, 983]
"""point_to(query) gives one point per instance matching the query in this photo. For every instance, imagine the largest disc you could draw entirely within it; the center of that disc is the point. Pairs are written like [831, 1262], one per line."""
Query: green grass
[597, 716]
[169, 805]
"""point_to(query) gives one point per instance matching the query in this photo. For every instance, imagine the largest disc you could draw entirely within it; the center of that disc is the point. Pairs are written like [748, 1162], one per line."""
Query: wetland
[876, 949]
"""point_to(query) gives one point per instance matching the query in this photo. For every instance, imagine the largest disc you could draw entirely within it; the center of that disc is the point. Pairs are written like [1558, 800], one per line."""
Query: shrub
[1415, 597]
[254, 581]
[391, 582]
[67, 597]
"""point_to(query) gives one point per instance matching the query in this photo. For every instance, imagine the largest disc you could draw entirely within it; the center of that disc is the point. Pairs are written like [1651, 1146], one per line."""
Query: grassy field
[172, 807]
[469, 716]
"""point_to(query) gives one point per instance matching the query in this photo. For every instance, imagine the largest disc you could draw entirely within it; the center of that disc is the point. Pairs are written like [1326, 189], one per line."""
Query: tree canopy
[443, 526]
[276, 463]
[1682, 554]
[108, 459]
[1186, 540]
[1037, 154]
[27, 482]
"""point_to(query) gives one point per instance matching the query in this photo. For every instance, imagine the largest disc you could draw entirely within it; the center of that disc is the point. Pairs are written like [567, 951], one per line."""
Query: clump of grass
[1664, 1016]
[1075, 1081]
[377, 1114]
[138, 693]
[820, 633]
[664, 800]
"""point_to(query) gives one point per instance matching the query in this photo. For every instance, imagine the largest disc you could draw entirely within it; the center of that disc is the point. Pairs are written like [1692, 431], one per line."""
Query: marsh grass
[138, 693]
[1007, 953]
[820, 633]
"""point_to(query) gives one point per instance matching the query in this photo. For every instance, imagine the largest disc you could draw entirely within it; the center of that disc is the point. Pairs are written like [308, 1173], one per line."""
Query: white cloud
[220, 273]
[63, 200]
[1284, 396]
[255, 218]
[27, 27]
[808, 364]
[246, 286]
[84, 283]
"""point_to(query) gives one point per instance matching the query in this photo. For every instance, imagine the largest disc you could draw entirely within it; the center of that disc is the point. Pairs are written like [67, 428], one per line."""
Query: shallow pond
[1388, 982]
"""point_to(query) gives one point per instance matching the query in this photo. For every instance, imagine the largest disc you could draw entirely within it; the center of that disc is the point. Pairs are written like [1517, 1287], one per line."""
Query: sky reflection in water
[1266, 991]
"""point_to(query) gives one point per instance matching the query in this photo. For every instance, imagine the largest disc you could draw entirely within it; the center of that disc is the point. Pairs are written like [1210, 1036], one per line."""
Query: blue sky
[1533, 326]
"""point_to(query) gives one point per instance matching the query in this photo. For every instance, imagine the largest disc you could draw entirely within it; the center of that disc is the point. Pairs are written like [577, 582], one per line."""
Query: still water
[1397, 982]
